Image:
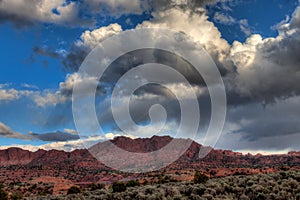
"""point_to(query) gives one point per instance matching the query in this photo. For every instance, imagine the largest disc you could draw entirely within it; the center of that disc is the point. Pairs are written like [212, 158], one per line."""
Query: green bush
[96, 186]
[118, 187]
[74, 190]
[200, 177]
[3, 195]
[132, 183]
[16, 195]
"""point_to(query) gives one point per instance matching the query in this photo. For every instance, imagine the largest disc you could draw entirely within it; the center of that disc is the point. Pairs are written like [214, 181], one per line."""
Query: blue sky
[33, 51]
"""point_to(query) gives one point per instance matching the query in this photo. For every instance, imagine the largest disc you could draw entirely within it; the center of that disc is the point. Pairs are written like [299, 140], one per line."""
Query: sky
[255, 45]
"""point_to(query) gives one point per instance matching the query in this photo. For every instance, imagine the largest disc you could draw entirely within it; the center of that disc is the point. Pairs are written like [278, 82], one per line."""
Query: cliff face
[83, 159]
[17, 156]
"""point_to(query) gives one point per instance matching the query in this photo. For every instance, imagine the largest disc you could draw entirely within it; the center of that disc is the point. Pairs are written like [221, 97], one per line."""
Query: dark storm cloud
[255, 121]
[7, 132]
[258, 94]
[60, 115]
[74, 58]
[18, 21]
[46, 52]
[22, 14]
[191, 4]
[55, 136]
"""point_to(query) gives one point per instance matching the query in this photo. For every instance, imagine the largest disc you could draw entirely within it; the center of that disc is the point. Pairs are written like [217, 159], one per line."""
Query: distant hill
[82, 157]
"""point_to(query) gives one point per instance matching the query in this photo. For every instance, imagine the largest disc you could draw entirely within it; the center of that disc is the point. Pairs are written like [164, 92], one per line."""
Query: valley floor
[273, 186]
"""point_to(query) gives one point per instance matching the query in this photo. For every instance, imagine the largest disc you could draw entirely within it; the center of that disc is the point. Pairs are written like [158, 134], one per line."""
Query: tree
[118, 187]
[200, 177]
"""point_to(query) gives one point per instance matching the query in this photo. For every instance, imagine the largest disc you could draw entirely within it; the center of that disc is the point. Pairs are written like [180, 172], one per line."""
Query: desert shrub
[199, 190]
[16, 195]
[118, 187]
[200, 177]
[3, 194]
[260, 196]
[74, 190]
[177, 197]
[298, 196]
[244, 197]
[96, 186]
[186, 190]
[132, 183]
[208, 196]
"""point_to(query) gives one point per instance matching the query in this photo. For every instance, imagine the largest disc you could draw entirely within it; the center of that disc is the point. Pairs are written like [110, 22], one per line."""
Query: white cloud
[68, 146]
[268, 68]
[64, 93]
[70, 131]
[48, 98]
[10, 94]
[29, 86]
[244, 26]
[223, 18]
[65, 146]
[198, 27]
[90, 39]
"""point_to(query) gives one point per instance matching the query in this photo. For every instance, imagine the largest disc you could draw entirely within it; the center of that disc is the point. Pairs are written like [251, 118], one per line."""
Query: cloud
[224, 18]
[268, 69]
[199, 28]
[116, 8]
[45, 51]
[259, 71]
[54, 136]
[244, 26]
[69, 13]
[57, 136]
[255, 121]
[24, 13]
[88, 40]
[70, 131]
[29, 86]
[240, 63]
[64, 92]
[63, 145]
[7, 132]
[8, 94]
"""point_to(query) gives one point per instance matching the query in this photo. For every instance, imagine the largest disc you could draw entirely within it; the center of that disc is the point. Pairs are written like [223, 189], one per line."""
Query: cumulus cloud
[257, 71]
[10, 94]
[240, 63]
[268, 69]
[199, 28]
[88, 40]
[64, 92]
